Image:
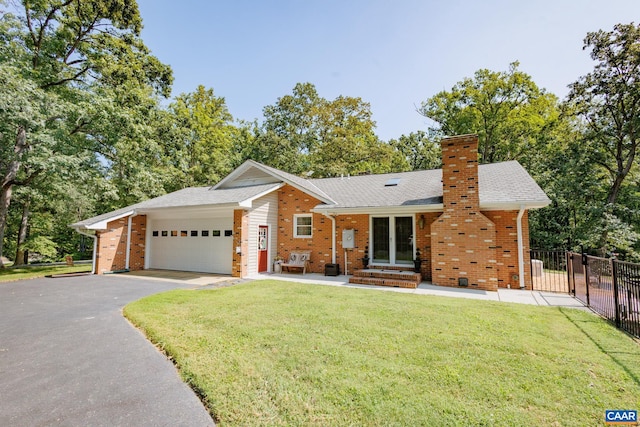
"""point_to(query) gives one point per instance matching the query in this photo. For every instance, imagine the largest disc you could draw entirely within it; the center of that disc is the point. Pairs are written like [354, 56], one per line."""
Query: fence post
[614, 271]
[569, 262]
[585, 265]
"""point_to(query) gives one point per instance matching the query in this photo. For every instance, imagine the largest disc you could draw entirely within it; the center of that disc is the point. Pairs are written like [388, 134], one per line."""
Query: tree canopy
[506, 109]
[305, 133]
[87, 126]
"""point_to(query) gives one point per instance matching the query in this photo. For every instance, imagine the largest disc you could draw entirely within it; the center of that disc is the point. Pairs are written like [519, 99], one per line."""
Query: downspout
[333, 237]
[95, 247]
[520, 247]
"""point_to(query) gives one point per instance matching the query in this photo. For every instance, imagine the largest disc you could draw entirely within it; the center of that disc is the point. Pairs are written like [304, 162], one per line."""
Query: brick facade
[423, 242]
[292, 201]
[112, 245]
[507, 247]
[463, 240]
[240, 240]
[459, 242]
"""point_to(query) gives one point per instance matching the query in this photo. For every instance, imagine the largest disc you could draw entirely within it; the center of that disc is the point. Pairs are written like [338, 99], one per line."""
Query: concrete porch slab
[425, 288]
[190, 277]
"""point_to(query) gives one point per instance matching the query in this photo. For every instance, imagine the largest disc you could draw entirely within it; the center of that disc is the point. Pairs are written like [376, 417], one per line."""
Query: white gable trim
[271, 171]
[248, 203]
[102, 225]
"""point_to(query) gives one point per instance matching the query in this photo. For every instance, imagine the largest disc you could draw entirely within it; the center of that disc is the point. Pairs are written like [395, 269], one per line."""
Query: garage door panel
[203, 253]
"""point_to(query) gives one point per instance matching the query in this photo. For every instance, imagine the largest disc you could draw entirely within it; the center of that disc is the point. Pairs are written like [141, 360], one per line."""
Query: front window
[302, 225]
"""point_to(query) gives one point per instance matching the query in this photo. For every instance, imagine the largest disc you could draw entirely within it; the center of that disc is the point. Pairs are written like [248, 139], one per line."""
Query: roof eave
[192, 207]
[514, 206]
[248, 203]
[102, 224]
[377, 210]
[436, 207]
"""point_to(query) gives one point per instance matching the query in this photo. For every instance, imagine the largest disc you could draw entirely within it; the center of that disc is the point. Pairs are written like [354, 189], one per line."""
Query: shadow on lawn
[614, 355]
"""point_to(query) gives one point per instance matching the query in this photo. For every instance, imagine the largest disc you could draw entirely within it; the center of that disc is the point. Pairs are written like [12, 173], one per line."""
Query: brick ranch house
[469, 222]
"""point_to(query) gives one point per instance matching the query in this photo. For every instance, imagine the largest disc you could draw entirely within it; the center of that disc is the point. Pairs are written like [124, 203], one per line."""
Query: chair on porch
[297, 259]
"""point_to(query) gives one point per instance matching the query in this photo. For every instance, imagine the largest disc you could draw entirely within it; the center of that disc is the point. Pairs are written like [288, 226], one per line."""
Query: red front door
[262, 248]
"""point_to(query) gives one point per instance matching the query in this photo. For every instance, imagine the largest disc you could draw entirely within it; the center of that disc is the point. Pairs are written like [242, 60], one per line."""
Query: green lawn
[281, 353]
[11, 274]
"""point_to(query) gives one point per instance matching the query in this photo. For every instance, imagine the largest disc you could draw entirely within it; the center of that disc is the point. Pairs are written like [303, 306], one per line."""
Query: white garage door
[203, 245]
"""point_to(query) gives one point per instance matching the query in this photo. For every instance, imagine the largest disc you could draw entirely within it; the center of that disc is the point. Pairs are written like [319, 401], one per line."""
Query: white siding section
[264, 212]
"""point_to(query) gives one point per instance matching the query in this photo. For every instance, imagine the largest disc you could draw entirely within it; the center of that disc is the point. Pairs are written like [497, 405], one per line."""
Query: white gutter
[333, 237]
[95, 247]
[127, 254]
[413, 209]
[520, 247]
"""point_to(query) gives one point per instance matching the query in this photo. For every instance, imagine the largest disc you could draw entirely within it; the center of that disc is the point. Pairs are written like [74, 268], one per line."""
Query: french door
[392, 239]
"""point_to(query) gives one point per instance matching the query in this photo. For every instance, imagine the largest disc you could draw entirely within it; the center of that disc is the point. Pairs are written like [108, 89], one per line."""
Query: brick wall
[293, 201]
[138, 241]
[112, 245]
[463, 240]
[423, 242]
[507, 247]
[240, 239]
[359, 223]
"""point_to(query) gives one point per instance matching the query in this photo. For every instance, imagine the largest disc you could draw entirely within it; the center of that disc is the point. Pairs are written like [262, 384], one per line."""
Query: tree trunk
[5, 200]
[8, 181]
[623, 169]
[615, 187]
[21, 258]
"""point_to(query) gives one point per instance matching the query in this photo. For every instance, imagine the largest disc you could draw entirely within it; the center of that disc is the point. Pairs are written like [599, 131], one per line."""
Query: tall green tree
[419, 150]
[289, 131]
[608, 100]
[347, 143]
[67, 55]
[202, 138]
[28, 127]
[305, 133]
[507, 110]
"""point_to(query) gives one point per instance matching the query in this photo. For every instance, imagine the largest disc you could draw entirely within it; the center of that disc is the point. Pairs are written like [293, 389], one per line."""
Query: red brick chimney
[463, 240]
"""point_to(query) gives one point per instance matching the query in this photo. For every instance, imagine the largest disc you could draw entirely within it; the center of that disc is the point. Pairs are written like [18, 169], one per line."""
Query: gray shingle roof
[506, 183]
[500, 183]
[193, 196]
[302, 183]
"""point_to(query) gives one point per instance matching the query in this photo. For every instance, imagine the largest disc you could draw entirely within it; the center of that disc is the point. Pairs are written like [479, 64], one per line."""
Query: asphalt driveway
[68, 357]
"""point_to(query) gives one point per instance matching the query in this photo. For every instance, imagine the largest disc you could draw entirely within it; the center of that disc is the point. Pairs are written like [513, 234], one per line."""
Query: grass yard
[281, 353]
[11, 274]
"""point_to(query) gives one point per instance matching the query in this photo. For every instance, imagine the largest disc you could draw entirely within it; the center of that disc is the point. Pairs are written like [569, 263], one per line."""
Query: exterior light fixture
[421, 222]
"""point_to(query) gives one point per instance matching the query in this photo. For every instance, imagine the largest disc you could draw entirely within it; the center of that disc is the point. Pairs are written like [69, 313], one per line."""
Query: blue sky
[393, 54]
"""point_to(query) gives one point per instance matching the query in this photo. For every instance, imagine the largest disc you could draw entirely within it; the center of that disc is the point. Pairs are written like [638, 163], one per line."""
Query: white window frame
[295, 226]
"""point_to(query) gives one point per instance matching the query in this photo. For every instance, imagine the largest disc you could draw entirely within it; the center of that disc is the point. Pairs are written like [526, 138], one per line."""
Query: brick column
[112, 247]
[241, 240]
[138, 240]
[462, 239]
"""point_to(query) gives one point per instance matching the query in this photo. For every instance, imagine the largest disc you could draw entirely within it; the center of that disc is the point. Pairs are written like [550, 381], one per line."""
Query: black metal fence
[549, 271]
[609, 287]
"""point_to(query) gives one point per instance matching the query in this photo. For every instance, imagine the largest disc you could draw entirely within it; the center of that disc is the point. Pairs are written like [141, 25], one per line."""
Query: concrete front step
[379, 277]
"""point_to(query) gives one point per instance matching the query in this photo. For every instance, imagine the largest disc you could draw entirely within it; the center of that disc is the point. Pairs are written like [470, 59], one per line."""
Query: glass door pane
[404, 239]
[381, 240]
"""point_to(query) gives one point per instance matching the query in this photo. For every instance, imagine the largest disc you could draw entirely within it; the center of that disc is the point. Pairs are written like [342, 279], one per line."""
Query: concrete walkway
[425, 288]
